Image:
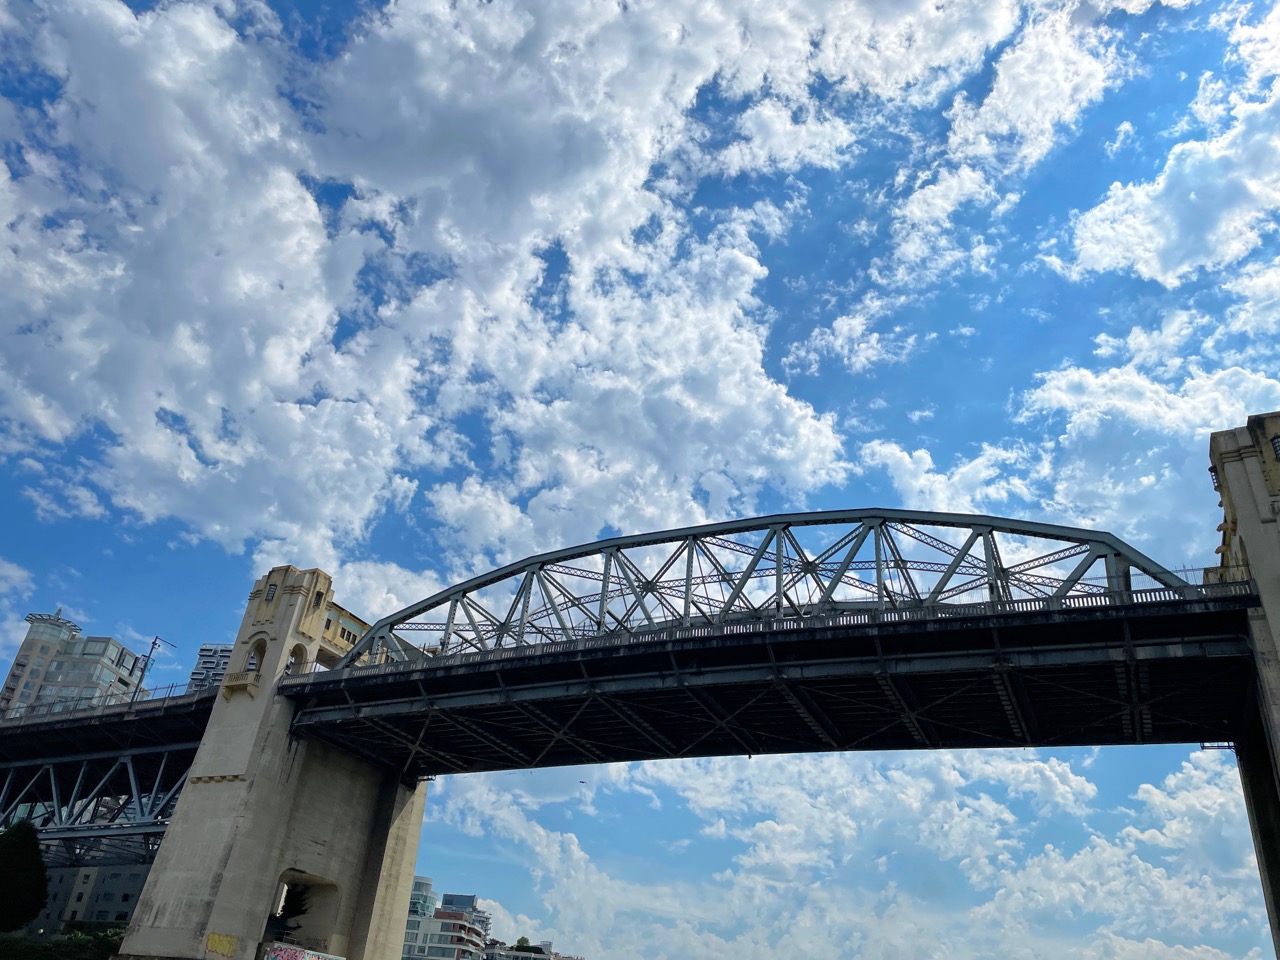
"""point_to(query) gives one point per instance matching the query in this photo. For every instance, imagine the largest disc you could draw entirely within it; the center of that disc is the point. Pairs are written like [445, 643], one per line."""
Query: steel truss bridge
[101, 783]
[839, 630]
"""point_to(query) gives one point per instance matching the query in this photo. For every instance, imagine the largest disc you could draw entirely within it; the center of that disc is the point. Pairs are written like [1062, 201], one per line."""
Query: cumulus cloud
[1214, 199]
[812, 840]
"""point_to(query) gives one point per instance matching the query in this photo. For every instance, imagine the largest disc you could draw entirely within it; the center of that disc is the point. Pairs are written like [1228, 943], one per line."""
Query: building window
[317, 600]
[100, 915]
[80, 896]
[122, 916]
[271, 592]
[124, 898]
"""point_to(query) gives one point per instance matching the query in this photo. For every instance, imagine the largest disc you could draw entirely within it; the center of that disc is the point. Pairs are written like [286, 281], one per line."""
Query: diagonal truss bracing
[803, 565]
[115, 793]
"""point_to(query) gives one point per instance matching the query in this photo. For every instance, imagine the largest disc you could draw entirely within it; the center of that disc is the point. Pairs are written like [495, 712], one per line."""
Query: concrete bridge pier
[262, 813]
[1246, 470]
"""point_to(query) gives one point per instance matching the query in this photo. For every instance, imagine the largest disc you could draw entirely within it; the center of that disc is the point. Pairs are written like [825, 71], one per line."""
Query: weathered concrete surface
[1248, 475]
[261, 808]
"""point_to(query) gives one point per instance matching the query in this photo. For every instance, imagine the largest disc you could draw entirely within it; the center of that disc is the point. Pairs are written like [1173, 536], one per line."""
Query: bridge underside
[1173, 672]
[101, 788]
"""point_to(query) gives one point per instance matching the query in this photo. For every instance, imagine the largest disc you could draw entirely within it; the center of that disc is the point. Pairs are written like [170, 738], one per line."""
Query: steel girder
[86, 799]
[790, 566]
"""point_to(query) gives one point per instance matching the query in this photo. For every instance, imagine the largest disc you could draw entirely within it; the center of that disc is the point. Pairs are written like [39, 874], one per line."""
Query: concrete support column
[1255, 756]
[383, 903]
[1246, 469]
[262, 811]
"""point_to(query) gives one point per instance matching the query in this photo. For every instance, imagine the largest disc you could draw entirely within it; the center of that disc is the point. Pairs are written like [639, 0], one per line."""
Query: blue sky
[410, 291]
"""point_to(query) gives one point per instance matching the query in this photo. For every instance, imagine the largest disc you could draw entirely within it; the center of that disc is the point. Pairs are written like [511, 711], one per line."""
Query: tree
[522, 942]
[24, 885]
[296, 902]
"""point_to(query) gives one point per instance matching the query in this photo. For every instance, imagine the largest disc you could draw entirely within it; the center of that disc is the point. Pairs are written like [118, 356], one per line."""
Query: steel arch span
[787, 567]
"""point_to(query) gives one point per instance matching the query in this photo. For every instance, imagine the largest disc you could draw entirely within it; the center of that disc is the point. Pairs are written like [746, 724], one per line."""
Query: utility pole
[146, 665]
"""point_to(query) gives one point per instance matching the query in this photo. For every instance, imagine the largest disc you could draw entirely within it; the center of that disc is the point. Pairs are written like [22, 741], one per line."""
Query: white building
[455, 930]
[422, 907]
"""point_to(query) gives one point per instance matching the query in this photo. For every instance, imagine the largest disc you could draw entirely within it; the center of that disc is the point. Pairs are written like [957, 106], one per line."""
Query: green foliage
[79, 945]
[522, 942]
[24, 884]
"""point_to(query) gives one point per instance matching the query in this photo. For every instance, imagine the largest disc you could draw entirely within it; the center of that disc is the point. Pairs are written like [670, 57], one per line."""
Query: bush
[24, 885]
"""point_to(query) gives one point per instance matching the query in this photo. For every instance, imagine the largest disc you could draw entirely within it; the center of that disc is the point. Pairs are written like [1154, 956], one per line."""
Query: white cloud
[853, 340]
[1258, 312]
[1202, 402]
[985, 483]
[15, 584]
[1124, 135]
[1044, 81]
[1214, 199]
[848, 852]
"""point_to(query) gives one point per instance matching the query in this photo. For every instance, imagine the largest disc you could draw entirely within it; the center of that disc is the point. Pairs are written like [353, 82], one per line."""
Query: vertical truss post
[879, 544]
[604, 593]
[1119, 578]
[448, 625]
[688, 580]
[526, 589]
[778, 545]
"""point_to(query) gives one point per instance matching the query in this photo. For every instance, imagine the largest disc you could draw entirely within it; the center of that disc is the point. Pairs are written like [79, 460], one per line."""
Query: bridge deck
[1180, 670]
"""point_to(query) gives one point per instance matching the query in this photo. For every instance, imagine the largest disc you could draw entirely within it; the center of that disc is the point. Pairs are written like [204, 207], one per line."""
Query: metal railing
[105, 704]
[849, 617]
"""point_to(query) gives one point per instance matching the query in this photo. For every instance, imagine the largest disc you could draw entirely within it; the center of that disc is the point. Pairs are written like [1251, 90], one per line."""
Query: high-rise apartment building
[57, 667]
[212, 663]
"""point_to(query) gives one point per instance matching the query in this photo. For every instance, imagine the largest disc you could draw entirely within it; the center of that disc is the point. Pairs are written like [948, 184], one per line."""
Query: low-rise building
[454, 930]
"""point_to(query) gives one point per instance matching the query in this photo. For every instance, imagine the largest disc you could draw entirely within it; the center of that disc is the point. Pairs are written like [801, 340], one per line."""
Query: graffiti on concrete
[221, 945]
[289, 951]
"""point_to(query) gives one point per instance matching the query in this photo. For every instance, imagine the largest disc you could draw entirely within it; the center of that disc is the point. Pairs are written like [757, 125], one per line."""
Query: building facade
[212, 663]
[57, 668]
[89, 896]
[455, 930]
[422, 907]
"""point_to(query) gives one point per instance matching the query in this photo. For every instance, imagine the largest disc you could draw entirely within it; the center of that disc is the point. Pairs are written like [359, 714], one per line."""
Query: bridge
[840, 630]
[837, 630]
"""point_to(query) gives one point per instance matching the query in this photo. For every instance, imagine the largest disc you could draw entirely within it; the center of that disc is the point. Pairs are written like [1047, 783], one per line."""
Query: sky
[407, 291]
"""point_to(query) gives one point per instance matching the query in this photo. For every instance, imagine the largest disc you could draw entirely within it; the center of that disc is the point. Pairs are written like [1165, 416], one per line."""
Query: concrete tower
[1246, 471]
[261, 811]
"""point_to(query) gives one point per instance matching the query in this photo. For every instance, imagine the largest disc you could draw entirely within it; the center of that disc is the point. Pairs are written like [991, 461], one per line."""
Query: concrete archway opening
[304, 911]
